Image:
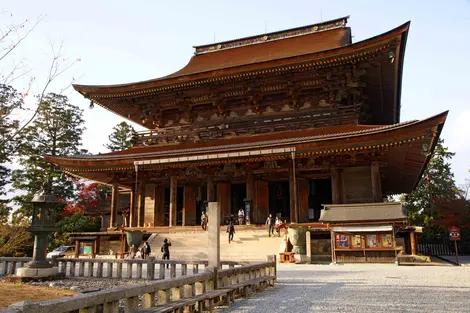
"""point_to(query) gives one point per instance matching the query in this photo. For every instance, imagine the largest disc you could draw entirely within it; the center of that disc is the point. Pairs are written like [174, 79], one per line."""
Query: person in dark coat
[166, 250]
[270, 223]
[147, 250]
[230, 231]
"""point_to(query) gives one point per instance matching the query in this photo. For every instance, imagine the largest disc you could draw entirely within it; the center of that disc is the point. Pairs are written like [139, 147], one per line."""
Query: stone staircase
[250, 245]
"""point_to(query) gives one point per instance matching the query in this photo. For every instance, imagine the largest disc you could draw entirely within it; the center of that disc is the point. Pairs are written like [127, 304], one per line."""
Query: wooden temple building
[281, 123]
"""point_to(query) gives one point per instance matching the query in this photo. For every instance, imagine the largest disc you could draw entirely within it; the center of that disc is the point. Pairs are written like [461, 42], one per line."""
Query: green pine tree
[437, 182]
[122, 137]
[57, 130]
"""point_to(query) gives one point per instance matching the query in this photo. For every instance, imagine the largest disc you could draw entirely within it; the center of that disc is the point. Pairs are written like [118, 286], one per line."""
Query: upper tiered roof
[313, 47]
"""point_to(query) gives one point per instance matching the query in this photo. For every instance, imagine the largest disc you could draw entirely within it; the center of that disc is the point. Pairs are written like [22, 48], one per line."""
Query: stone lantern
[42, 224]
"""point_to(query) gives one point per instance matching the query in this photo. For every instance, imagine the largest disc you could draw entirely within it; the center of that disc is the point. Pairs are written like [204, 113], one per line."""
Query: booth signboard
[454, 233]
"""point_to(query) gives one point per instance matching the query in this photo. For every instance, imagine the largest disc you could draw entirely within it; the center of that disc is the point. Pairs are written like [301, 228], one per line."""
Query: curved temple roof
[334, 44]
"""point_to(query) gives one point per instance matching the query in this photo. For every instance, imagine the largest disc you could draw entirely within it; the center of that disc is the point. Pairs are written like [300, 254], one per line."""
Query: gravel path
[362, 288]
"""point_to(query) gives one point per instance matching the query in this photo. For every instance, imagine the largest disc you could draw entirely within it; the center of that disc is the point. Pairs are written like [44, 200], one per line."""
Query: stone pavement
[362, 288]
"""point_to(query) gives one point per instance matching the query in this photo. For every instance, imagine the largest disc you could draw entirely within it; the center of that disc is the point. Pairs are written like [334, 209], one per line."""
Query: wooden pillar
[141, 204]
[224, 198]
[413, 243]
[260, 201]
[149, 205]
[335, 186]
[210, 189]
[249, 196]
[302, 190]
[189, 206]
[132, 209]
[376, 183]
[77, 248]
[294, 213]
[114, 205]
[173, 198]
[160, 206]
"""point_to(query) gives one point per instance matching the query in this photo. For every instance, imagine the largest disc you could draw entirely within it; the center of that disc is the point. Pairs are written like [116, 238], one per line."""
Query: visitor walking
[277, 225]
[147, 250]
[204, 221]
[166, 250]
[230, 231]
[270, 223]
[241, 216]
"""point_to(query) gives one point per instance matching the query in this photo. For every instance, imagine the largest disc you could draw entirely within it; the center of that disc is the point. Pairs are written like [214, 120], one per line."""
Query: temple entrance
[238, 195]
[279, 199]
[179, 206]
[319, 193]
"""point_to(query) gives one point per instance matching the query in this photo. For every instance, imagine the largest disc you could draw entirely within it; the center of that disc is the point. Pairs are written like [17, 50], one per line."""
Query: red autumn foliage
[86, 199]
[453, 212]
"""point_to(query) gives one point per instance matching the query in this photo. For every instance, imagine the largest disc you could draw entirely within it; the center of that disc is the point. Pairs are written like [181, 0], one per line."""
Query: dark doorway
[179, 206]
[320, 193]
[238, 195]
[279, 199]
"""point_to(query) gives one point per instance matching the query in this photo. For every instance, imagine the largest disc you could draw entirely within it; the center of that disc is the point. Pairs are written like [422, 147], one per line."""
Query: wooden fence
[167, 295]
[441, 249]
[115, 268]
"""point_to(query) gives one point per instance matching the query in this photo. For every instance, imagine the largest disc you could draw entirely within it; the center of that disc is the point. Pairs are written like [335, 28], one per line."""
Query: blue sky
[124, 41]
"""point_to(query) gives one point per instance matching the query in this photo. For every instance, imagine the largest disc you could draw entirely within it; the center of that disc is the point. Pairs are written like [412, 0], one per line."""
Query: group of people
[274, 224]
[145, 250]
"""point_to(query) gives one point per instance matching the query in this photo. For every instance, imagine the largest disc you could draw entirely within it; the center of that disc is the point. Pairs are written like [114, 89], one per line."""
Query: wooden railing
[115, 268]
[298, 120]
[151, 294]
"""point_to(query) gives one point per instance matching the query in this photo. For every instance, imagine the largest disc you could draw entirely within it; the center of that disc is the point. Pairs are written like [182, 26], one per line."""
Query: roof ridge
[271, 36]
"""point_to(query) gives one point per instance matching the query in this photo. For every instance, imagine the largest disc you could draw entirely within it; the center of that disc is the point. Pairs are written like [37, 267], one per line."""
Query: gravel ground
[362, 288]
[86, 284]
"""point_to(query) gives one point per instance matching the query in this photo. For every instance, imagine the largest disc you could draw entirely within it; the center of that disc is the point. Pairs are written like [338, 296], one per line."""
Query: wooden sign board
[454, 233]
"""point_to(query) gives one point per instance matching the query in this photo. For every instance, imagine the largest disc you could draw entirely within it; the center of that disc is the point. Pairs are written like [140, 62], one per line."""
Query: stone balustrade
[115, 268]
[151, 293]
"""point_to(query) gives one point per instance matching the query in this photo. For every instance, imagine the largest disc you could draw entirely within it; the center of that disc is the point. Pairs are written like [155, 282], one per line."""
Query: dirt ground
[12, 293]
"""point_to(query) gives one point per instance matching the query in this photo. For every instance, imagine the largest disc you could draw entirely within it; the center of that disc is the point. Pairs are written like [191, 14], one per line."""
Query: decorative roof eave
[343, 55]
[325, 145]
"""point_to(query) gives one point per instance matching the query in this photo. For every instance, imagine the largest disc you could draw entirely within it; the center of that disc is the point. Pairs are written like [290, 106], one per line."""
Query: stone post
[308, 241]
[214, 216]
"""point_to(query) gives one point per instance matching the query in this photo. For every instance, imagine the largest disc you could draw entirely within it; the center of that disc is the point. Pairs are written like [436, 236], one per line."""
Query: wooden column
[335, 186]
[114, 205]
[77, 249]
[413, 243]
[294, 213]
[173, 198]
[140, 204]
[132, 209]
[376, 183]
[260, 201]
[210, 189]
[149, 205]
[189, 206]
[224, 198]
[160, 206]
[249, 196]
[302, 190]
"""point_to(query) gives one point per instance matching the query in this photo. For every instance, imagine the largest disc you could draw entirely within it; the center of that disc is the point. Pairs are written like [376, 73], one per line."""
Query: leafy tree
[57, 130]
[437, 182]
[122, 137]
[86, 199]
[10, 100]
[14, 240]
[77, 222]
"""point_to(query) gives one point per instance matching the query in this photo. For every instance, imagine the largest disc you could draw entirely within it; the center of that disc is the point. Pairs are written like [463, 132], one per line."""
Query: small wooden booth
[363, 233]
